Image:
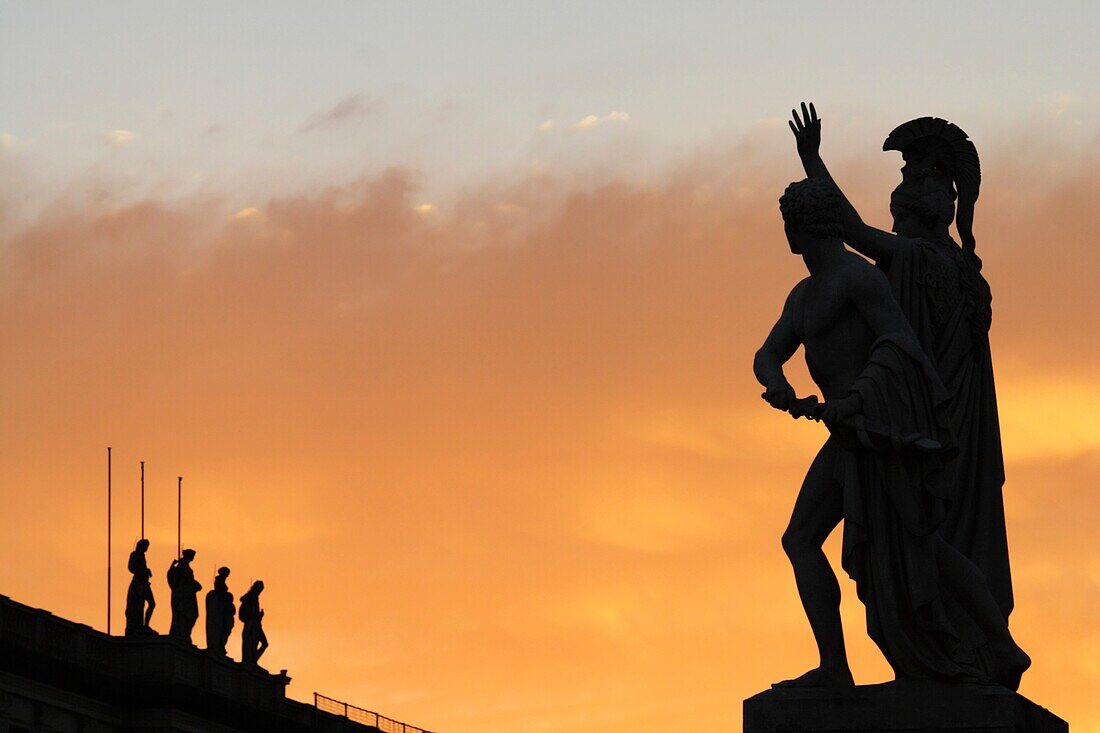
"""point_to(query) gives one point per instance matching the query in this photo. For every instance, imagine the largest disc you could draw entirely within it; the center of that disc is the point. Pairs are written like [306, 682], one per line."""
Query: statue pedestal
[911, 706]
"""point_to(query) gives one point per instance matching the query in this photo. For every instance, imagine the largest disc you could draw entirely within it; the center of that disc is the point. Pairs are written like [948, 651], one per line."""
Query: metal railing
[360, 715]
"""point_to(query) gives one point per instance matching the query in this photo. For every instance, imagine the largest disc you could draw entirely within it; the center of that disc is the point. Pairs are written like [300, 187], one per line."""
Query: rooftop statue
[220, 613]
[185, 604]
[139, 596]
[253, 638]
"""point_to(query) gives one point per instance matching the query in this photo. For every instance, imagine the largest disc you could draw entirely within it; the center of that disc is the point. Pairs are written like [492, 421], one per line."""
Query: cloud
[1058, 105]
[527, 421]
[772, 122]
[442, 400]
[8, 143]
[350, 108]
[546, 125]
[1028, 412]
[586, 123]
[119, 138]
[250, 213]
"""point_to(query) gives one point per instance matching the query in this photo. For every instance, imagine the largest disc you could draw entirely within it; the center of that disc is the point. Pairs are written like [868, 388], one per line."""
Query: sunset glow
[477, 406]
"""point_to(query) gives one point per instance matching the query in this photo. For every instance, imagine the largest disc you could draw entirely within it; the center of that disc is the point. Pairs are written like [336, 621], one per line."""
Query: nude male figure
[139, 596]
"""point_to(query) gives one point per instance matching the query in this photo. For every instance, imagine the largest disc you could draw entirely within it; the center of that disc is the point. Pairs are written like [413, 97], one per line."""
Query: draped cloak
[220, 612]
[927, 280]
[894, 474]
[185, 603]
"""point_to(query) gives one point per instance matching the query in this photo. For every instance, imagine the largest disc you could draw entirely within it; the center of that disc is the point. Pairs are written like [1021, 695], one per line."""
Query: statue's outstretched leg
[150, 605]
[817, 511]
[263, 646]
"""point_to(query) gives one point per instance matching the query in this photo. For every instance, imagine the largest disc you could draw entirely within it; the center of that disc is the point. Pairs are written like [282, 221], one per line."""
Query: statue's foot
[820, 677]
[1009, 667]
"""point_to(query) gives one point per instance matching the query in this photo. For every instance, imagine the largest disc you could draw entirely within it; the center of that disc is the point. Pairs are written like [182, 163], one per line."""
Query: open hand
[806, 129]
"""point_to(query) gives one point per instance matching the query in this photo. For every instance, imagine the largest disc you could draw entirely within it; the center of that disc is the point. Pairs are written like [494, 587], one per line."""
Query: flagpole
[143, 500]
[108, 540]
[179, 516]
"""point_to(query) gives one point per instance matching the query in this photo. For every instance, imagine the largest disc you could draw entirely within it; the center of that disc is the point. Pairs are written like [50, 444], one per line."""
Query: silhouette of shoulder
[793, 309]
[794, 298]
[863, 280]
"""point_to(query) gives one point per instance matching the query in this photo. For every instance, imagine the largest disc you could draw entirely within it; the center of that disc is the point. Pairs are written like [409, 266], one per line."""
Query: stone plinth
[898, 706]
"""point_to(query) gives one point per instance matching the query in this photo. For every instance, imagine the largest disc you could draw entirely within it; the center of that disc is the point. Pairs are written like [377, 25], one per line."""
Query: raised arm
[777, 350]
[875, 243]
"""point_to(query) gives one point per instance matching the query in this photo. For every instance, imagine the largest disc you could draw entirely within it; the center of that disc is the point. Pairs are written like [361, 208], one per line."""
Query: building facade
[57, 676]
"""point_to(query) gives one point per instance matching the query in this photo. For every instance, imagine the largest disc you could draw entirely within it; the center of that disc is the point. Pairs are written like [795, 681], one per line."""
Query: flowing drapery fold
[897, 494]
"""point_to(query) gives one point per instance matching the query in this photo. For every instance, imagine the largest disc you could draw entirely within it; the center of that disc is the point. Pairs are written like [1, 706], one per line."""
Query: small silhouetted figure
[185, 604]
[139, 596]
[253, 639]
[220, 613]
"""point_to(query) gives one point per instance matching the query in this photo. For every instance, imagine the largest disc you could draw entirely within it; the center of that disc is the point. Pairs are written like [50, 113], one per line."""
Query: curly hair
[812, 206]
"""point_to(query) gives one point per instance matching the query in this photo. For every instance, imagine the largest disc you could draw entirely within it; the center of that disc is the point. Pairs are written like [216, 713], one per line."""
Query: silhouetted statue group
[913, 464]
[221, 611]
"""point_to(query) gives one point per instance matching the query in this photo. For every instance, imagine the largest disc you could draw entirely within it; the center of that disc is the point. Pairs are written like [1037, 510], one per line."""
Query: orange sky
[502, 463]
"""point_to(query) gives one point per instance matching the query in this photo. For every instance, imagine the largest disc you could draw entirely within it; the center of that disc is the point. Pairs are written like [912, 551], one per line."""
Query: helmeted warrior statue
[139, 596]
[220, 613]
[939, 285]
[185, 604]
[883, 470]
[940, 289]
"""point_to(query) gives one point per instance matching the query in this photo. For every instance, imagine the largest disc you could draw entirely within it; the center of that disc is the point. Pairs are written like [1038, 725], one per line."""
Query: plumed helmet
[937, 152]
[934, 147]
